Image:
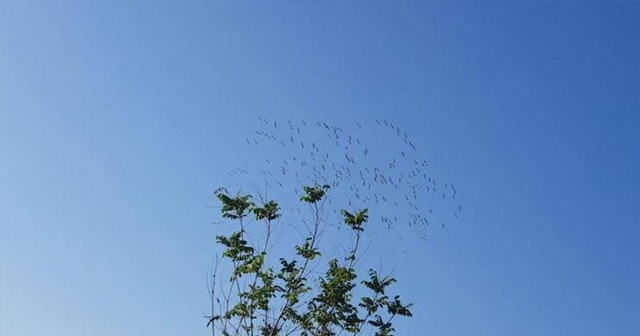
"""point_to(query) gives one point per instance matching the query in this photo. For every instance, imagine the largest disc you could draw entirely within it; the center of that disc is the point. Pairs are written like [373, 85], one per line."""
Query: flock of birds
[375, 166]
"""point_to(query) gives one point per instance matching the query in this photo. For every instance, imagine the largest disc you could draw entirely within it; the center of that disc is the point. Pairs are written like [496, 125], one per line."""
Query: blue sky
[118, 120]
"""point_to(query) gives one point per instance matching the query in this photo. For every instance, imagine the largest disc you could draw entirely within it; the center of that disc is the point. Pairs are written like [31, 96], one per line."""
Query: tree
[268, 298]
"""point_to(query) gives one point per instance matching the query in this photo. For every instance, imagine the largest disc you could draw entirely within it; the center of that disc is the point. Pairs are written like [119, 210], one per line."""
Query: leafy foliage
[283, 299]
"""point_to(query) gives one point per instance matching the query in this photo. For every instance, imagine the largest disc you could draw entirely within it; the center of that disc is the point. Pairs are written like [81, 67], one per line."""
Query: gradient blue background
[112, 117]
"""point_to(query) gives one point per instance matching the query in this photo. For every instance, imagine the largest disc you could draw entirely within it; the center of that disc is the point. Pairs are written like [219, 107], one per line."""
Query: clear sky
[119, 119]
